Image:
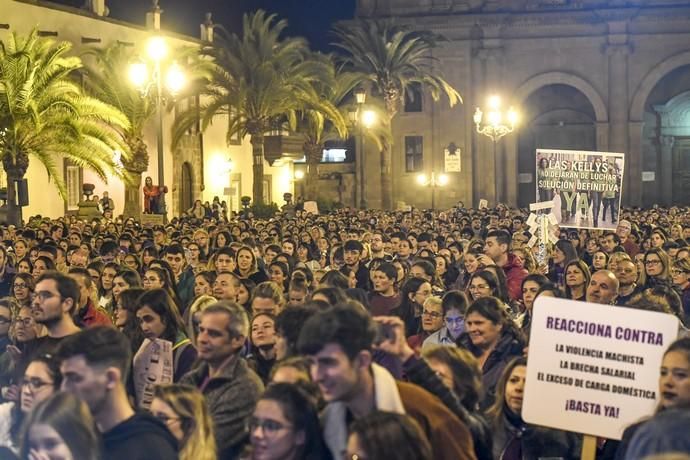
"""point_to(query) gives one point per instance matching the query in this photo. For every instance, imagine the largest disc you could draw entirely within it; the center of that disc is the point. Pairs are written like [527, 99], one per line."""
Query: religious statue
[152, 196]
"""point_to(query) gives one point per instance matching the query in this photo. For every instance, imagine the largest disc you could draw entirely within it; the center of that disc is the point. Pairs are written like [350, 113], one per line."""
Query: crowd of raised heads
[352, 335]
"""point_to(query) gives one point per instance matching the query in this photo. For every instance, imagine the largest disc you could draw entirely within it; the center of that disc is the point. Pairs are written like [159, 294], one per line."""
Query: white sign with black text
[593, 369]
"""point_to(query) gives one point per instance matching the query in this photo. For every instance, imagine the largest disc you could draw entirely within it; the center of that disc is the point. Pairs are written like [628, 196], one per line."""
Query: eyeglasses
[458, 320]
[34, 384]
[25, 321]
[652, 262]
[269, 427]
[20, 286]
[44, 295]
[676, 271]
[433, 314]
[4, 320]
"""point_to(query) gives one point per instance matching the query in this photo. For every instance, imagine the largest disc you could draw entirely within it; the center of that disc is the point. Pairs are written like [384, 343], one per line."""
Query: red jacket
[515, 273]
[92, 316]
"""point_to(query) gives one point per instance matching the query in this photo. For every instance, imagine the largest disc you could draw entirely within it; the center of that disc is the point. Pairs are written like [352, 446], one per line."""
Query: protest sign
[586, 187]
[593, 369]
[153, 365]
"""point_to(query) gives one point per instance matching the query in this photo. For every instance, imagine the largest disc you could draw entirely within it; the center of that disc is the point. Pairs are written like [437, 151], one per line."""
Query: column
[633, 165]
[492, 170]
[666, 170]
[617, 49]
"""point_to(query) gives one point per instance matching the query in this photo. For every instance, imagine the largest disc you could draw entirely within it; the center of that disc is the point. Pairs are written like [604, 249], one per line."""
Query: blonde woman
[182, 409]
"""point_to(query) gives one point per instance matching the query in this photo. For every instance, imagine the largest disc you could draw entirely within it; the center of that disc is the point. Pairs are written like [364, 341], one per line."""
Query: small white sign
[452, 161]
[594, 369]
[525, 178]
[648, 176]
[483, 204]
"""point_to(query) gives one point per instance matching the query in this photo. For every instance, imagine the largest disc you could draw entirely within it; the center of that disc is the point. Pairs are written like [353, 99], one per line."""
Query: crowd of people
[356, 334]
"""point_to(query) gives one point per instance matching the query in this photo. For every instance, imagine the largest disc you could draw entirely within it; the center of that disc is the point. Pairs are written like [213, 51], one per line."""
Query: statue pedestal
[88, 210]
[149, 220]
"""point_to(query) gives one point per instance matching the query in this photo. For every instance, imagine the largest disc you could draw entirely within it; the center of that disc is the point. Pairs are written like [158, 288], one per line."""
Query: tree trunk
[15, 168]
[386, 179]
[257, 141]
[133, 195]
[135, 167]
[313, 153]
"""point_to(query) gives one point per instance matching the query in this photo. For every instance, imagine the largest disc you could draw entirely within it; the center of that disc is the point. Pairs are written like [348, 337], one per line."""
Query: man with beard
[353, 252]
[54, 303]
[94, 365]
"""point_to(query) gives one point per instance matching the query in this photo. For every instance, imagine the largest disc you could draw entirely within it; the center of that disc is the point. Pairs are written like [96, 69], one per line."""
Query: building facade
[583, 74]
[205, 165]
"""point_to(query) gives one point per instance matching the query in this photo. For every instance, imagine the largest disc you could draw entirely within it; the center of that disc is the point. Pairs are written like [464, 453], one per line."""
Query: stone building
[584, 74]
[204, 166]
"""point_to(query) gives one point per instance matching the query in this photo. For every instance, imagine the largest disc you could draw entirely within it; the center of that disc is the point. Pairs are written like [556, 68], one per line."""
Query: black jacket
[535, 442]
[140, 437]
[509, 346]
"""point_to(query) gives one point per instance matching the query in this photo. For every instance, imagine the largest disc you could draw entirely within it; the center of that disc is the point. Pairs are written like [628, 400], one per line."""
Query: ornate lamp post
[435, 181]
[497, 124]
[141, 76]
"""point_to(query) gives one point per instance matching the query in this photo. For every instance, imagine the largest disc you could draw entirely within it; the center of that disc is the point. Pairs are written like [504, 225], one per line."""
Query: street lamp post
[157, 50]
[496, 125]
[433, 182]
[361, 97]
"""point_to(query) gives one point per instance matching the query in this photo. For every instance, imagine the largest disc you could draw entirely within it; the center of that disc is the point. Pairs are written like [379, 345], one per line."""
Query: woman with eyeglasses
[657, 269]
[453, 307]
[22, 288]
[285, 426]
[680, 274]
[40, 380]
[182, 409]
[482, 283]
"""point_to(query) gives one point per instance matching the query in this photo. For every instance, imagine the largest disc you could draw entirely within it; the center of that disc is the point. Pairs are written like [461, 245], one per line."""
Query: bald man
[603, 288]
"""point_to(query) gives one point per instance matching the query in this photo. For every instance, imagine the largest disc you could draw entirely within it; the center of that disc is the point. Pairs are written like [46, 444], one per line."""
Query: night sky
[309, 18]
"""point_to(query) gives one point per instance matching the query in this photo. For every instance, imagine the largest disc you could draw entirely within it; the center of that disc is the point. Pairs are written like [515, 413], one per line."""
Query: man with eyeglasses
[53, 305]
[623, 231]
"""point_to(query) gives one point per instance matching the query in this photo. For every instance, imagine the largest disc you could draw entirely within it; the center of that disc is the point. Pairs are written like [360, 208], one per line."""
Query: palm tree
[317, 128]
[392, 58]
[102, 80]
[44, 114]
[259, 80]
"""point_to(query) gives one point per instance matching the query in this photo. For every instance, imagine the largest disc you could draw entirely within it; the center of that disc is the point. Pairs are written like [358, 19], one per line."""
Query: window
[73, 184]
[413, 98]
[414, 153]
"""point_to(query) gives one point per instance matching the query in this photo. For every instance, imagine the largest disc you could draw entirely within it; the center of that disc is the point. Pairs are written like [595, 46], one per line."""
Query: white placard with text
[594, 369]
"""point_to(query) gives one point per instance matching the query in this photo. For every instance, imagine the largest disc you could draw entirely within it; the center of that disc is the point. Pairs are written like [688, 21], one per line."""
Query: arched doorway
[554, 116]
[666, 141]
[186, 191]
